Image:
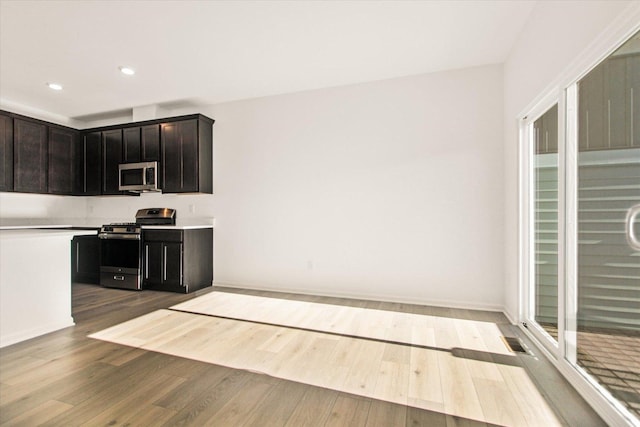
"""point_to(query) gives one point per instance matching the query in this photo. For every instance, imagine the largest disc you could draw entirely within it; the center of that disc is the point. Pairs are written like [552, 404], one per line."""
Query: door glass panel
[608, 268]
[545, 263]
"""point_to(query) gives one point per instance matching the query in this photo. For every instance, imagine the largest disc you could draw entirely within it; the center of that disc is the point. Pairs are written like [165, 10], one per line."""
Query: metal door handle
[632, 239]
[118, 278]
[165, 263]
[146, 261]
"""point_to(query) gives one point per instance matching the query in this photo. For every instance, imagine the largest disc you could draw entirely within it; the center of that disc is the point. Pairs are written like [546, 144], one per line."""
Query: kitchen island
[35, 282]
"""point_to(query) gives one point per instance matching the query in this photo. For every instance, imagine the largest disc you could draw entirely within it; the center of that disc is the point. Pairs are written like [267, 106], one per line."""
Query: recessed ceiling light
[55, 86]
[128, 71]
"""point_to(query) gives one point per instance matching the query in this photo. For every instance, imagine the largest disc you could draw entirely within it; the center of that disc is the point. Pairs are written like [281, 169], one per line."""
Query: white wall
[23, 205]
[555, 37]
[124, 208]
[391, 189]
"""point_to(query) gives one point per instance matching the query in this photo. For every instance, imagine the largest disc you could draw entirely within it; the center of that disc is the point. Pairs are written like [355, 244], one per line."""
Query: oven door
[120, 262]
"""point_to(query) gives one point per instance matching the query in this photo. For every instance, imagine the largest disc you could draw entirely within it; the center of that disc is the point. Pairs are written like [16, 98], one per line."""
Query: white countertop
[26, 223]
[38, 233]
[61, 223]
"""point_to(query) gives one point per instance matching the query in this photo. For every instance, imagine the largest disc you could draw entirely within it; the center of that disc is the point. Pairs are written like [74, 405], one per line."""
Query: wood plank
[183, 395]
[242, 404]
[348, 411]
[425, 384]
[458, 390]
[498, 403]
[326, 378]
[276, 408]
[419, 417]
[314, 408]
[207, 404]
[124, 411]
[385, 414]
[40, 413]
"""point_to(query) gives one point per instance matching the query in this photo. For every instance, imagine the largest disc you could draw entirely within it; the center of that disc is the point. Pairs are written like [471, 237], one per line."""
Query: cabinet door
[131, 145]
[111, 158]
[30, 156]
[6, 153]
[93, 163]
[85, 259]
[88, 165]
[150, 143]
[61, 150]
[153, 263]
[179, 141]
[172, 268]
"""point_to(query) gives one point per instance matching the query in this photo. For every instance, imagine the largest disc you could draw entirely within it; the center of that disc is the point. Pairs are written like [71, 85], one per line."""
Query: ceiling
[207, 52]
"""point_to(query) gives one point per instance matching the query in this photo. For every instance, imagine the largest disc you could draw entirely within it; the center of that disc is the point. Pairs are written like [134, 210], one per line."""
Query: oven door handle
[116, 236]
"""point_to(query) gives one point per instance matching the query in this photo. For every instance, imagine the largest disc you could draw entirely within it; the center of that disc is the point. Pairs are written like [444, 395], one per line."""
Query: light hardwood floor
[441, 373]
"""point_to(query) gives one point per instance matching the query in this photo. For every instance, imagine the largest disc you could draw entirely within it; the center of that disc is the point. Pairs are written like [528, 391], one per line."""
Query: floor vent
[513, 344]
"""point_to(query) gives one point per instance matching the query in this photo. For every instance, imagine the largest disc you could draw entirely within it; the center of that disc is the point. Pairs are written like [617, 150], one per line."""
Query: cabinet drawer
[163, 235]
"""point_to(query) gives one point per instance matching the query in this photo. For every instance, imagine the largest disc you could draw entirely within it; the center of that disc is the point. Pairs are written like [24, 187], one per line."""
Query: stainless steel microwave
[138, 177]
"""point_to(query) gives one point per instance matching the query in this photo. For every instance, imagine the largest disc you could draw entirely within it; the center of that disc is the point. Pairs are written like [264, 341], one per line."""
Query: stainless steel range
[121, 248]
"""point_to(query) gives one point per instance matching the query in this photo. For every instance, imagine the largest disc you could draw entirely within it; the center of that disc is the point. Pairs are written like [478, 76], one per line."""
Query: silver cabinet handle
[146, 261]
[77, 257]
[632, 239]
[165, 263]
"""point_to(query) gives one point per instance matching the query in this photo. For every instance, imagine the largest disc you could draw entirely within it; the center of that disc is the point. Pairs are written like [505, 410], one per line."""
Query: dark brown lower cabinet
[85, 259]
[177, 260]
[6, 153]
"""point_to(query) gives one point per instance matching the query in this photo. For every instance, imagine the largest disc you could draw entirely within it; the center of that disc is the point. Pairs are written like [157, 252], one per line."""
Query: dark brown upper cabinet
[62, 145]
[41, 157]
[111, 158]
[6, 153]
[88, 165]
[150, 143]
[131, 145]
[186, 156]
[30, 156]
[141, 144]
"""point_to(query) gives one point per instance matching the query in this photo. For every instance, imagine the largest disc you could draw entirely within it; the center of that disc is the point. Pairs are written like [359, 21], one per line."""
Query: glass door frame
[528, 203]
[564, 91]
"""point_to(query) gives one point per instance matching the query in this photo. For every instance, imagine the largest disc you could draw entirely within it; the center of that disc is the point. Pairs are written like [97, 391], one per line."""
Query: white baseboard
[16, 337]
[509, 316]
[369, 297]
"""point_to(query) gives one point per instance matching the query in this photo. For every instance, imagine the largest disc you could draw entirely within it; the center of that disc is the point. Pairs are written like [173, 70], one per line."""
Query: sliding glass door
[607, 324]
[582, 280]
[545, 211]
